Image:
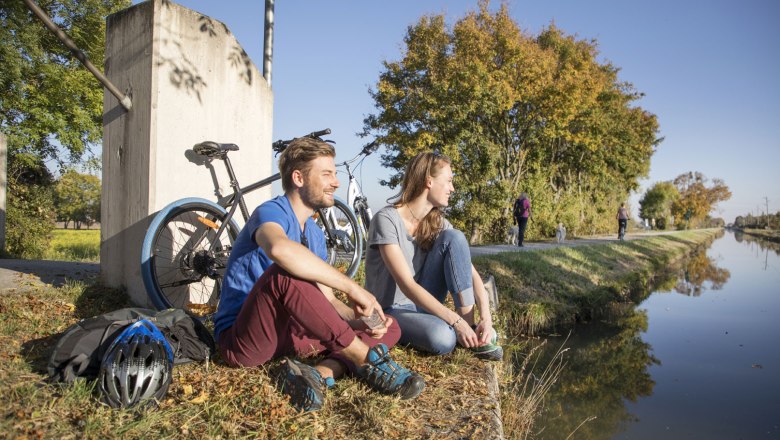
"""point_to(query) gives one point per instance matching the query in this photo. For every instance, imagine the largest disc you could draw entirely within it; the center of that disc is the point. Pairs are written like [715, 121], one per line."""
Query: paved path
[23, 274]
[477, 251]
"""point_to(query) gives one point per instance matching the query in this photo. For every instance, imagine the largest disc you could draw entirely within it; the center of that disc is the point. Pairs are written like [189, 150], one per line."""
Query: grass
[74, 245]
[566, 284]
[766, 234]
[218, 401]
[541, 288]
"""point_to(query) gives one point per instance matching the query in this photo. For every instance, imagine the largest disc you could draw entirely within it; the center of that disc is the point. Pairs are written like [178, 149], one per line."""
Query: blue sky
[708, 69]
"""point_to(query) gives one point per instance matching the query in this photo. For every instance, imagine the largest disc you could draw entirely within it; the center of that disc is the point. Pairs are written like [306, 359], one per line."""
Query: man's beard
[316, 201]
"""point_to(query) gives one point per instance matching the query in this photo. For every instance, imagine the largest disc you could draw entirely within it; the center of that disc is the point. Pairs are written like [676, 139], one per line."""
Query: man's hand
[364, 303]
[376, 333]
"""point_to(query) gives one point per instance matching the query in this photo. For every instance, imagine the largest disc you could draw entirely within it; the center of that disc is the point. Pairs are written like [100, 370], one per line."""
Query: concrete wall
[189, 81]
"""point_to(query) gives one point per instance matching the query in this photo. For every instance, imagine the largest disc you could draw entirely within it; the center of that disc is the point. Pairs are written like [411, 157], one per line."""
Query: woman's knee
[454, 237]
[435, 340]
[442, 342]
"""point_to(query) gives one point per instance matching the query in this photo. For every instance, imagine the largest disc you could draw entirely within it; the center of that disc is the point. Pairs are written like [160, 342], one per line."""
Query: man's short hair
[298, 156]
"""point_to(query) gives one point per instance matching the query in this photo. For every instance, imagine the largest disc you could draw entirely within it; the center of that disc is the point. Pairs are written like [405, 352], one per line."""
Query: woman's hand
[484, 332]
[466, 336]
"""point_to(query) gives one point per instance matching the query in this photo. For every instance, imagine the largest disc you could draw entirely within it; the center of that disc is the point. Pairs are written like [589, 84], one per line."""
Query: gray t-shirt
[387, 227]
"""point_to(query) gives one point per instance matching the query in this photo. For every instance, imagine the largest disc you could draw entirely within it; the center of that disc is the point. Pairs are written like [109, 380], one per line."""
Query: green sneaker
[490, 351]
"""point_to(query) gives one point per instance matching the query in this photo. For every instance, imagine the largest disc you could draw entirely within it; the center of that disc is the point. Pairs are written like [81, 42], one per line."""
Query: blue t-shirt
[248, 260]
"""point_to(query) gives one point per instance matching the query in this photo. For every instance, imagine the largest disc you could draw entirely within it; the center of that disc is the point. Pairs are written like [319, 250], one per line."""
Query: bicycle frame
[356, 200]
[238, 195]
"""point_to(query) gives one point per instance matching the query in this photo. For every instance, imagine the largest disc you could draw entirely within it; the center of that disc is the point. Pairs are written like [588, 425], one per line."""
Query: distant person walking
[521, 211]
[622, 218]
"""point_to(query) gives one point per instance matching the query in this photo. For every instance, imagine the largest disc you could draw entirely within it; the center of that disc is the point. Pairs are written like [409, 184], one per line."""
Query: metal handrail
[79, 54]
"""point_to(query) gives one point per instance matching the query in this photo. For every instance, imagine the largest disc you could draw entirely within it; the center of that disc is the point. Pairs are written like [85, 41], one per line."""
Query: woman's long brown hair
[416, 175]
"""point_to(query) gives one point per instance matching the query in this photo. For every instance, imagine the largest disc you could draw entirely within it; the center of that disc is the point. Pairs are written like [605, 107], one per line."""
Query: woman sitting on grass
[415, 257]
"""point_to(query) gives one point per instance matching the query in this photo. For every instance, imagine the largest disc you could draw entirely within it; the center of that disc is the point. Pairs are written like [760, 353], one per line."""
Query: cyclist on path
[277, 295]
[622, 218]
[415, 257]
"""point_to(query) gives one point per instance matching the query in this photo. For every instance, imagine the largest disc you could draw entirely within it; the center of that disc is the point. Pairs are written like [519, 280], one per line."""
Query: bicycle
[187, 245]
[622, 224]
[355, 198]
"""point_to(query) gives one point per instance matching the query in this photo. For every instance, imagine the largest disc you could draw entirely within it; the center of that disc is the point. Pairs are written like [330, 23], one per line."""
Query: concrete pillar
[3, 189]
[189, 81]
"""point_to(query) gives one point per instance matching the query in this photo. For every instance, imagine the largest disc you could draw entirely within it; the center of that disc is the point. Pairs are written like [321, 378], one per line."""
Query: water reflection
[762, 243]
[608, 364]
[698, 271]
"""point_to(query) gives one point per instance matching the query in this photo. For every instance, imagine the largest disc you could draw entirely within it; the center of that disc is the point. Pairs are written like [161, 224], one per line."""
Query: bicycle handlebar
[370, 148]
[280, 145]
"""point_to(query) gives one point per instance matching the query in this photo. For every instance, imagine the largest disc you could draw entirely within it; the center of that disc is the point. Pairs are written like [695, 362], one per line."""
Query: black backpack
[81, 347]
[518, 210]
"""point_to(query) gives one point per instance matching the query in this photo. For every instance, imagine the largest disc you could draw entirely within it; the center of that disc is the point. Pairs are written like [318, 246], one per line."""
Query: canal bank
[544, 289]
[461, 400]
[694, 356]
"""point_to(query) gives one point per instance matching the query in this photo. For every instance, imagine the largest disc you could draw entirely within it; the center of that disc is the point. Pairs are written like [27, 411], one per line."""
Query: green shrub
[29, 220]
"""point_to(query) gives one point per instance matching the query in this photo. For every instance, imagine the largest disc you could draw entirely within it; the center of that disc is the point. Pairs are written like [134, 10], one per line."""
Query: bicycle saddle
[211, 149]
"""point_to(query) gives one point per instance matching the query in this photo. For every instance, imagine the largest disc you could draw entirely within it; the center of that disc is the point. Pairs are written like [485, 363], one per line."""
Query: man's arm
[300, 262]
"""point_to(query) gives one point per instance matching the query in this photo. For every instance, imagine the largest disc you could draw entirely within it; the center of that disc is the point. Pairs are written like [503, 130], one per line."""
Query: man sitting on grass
[277, 295]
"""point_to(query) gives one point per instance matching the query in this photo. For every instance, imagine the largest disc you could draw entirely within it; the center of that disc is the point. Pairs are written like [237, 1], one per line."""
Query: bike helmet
[137, 366]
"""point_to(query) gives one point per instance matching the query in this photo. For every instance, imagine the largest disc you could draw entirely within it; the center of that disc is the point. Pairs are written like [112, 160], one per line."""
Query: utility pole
[767, 205]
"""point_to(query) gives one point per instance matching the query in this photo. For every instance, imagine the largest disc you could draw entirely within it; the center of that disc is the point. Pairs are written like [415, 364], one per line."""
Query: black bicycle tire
[176, 266]
[338, 255]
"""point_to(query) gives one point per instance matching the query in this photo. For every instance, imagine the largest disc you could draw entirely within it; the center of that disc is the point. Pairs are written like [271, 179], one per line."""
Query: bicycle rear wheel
[180, 267]
[342, 237]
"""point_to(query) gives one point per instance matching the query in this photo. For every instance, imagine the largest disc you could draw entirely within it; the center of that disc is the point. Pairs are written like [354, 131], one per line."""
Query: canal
[696, 358]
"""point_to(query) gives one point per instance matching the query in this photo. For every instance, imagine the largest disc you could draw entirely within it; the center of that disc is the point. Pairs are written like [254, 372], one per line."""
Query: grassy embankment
[766, 234]
[225, 402]
[565, 284]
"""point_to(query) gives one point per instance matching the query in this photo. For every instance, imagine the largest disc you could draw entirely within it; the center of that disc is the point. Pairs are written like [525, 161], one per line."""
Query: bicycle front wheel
[183, 260]
[342, 237]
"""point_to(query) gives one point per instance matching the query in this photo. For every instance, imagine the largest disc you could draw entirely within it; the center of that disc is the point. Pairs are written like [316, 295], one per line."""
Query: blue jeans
[447, 268]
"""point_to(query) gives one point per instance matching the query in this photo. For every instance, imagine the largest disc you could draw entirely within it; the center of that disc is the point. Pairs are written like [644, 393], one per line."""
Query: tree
[697, 199]
[47, 99]
[50, 106]
[514, 112]
[657, 203]
[78, 198]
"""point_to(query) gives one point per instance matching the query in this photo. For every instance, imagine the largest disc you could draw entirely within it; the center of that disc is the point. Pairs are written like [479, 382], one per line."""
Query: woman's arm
[485, 323]
[396, 264]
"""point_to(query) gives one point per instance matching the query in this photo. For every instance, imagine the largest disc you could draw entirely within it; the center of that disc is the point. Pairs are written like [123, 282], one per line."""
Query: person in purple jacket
[521, 211]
